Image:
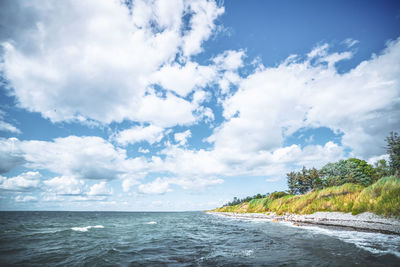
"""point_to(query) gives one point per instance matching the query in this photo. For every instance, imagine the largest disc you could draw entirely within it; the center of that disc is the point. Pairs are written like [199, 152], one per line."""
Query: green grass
[337, 198]
[382, 198]
[257, 205]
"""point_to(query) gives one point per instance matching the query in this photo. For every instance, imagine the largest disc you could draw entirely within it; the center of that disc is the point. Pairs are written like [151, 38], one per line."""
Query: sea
[47, 238]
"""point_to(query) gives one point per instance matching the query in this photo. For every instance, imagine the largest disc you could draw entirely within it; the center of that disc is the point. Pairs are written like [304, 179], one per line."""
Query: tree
[393, 149]
[382, 168]
[292, 182]
[315, 176]
[348, 171]
[303, 181]
[360, 172]
[333, 173]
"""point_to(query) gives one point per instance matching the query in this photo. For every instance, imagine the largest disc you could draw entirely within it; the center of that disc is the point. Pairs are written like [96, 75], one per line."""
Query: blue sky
[182, 105]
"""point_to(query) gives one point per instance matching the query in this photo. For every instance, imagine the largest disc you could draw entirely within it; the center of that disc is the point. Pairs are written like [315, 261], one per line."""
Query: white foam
[86, 228]
[151, 223]
[247, 253]
[375, 243]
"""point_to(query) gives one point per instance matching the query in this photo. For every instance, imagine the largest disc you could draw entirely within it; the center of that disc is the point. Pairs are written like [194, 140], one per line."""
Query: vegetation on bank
[382, 198]
[350, 185]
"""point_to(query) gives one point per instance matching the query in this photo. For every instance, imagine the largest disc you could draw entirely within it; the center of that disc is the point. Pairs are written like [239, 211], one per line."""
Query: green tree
[382, 169]
[333, 173]
[360, 172]
[348, 171]
[303, 181]
[393, 149]
[292, 182]
[315, 176]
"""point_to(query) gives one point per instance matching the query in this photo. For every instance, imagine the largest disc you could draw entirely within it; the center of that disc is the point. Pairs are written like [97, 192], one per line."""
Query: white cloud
[182, 137]
[228, 64]
[184, 79]
[82, 157]
[152, 134]
[201, 96]
[93, 60]
[128, 183]
[65, 185]
[375, 159]
[100, 189]
[10, 154]
[192, 163]
[230, 60]
[166, 112]
[76, 158]
[318, 51]
[7, 127]
[20, 198]
[52, 197]
[195, 183]
[202, 25]
[350, 42]
[27, 181]
[228, 78]
[143, 150]
[157, 187]
[311, 155]
[275, 102]
[204, 166]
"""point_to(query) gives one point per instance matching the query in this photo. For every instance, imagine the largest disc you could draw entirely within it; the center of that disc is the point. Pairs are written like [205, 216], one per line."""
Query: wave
[375, 243]
[151, 222]
[86, 228]
[247, 252]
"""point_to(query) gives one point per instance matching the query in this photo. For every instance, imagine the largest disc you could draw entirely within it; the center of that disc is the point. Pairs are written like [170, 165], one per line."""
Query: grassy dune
[382, 198]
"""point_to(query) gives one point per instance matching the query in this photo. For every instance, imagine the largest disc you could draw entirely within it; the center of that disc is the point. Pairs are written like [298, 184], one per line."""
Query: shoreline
[365, 222]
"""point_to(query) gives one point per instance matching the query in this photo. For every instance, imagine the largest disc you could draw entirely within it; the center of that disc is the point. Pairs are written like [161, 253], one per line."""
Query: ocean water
[182, 239]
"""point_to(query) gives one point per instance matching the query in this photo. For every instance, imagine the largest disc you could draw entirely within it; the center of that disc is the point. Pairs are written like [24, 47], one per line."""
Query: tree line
[352, 170]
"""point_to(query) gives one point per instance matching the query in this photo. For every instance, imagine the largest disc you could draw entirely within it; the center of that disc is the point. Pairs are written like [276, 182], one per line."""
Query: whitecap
[247, 253]
[151, 222]
[375, 243]
[86, 228]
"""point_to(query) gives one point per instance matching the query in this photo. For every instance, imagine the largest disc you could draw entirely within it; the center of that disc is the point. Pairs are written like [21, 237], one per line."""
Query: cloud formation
[7, 127]
[273, 103]
[151, 134]
[79, 73]
[27, 181]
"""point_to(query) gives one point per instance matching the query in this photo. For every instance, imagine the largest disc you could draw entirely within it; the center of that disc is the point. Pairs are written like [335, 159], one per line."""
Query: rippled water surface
[186, 238]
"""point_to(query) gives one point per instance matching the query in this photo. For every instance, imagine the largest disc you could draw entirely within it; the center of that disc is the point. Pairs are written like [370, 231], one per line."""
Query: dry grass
[382, 197]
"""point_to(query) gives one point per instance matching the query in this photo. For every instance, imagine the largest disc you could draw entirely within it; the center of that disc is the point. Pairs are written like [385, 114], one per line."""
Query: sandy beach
[362, 222]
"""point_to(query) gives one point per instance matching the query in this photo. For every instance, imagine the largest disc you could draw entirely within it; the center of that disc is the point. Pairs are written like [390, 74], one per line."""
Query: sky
[173, 105]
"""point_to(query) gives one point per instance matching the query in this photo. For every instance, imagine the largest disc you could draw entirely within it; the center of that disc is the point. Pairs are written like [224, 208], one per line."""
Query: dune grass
[382, 198]
[337, 198]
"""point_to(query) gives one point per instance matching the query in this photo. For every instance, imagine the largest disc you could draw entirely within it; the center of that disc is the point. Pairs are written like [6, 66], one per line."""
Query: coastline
[367, 222]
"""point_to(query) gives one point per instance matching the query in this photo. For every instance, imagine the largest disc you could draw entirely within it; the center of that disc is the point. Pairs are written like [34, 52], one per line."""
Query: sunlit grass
[382, 197]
